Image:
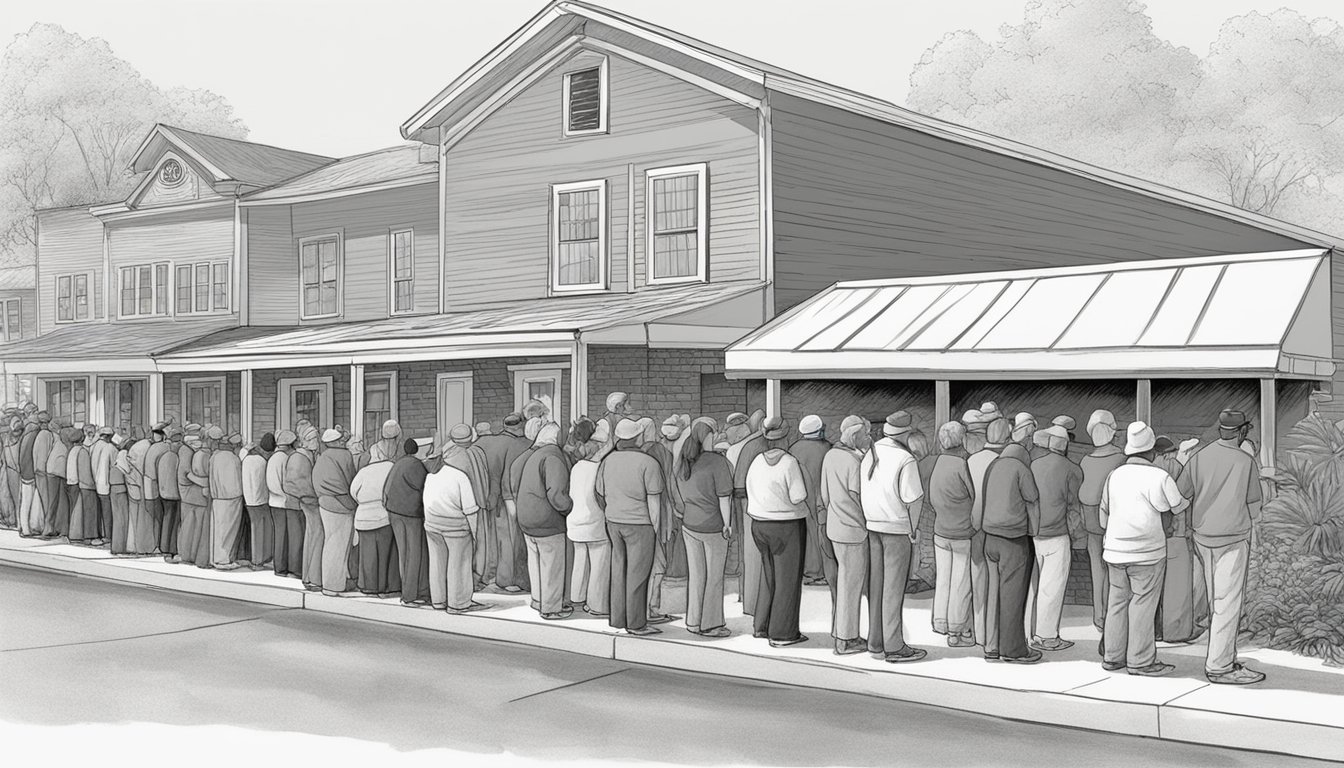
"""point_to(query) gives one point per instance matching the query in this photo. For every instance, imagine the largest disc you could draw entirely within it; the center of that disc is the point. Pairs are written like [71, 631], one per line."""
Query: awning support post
[772, 406]
[1269, 423]
[357, 400]
[156, 398]
[578, 381]
[1143, 401]
[245, 403]
[942, 403]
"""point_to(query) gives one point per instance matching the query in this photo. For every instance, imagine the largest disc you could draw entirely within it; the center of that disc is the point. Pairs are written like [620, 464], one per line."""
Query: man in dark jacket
[30, 501]
[404, 500]
[543, 502]
[810, 451]
[170, 495]
[1010, 520]
[1058, 480]
[501, 451]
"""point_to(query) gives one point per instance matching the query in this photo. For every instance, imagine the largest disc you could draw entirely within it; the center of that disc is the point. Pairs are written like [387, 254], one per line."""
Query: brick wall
[265, 389]
[492, 392]
[873, 400]
[233, 394]
[1079, 589]
[662, 382]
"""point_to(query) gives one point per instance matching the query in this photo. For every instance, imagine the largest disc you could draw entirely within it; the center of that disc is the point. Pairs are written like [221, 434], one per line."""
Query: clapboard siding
[497, 201]
[857, 198]
[181, 237]
[365, 223]
[69, 241]
[27, 311]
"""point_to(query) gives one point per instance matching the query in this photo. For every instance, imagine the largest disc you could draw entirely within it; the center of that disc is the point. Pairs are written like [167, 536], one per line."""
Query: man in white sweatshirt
[777, 506]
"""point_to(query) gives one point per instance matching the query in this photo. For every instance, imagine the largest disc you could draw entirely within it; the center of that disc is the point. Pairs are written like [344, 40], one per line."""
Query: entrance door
[124, 404]
[305, 399]
[454, 401]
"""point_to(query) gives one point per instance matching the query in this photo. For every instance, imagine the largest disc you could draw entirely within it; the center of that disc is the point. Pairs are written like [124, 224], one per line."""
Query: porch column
[578, 381]
[155, 397]
[357, 400]
[942, 403]
[772, 407]
[1143, 401]
[1269, 423]
[245, 403]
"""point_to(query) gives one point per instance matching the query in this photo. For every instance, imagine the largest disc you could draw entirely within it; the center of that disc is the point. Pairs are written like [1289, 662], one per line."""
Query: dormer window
[586, 100]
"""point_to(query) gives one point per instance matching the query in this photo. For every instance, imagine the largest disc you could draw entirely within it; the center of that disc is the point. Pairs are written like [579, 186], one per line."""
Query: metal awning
[1258, 314]
[98, 346]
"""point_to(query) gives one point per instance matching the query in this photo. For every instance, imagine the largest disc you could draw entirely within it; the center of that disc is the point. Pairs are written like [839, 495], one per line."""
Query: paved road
[83, 654]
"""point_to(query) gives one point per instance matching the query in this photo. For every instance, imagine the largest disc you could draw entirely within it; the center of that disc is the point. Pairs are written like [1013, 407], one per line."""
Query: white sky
[338, 77]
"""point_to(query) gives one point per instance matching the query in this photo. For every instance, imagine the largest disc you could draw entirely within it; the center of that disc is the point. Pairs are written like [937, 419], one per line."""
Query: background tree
[71, 114]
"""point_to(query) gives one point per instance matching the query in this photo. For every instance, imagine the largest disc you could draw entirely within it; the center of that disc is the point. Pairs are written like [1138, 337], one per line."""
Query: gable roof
[563, 17]
[380, 169]
[249, 163]
[18, 278]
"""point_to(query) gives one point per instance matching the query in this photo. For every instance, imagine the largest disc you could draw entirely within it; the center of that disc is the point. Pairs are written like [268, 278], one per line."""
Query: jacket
[1058, 481]
[333, 472]
[27, 445]
[543, 493]
[166, 472]
[951, 497]
[275, 481]
[810, 453]
[298, 478]
[191, 492]
[226, 476]
[103, 455]
[403, 494]
[199, 475]
[500, 452]
[152, 456]
[367, 491]
[775, 489]
[1011, 495]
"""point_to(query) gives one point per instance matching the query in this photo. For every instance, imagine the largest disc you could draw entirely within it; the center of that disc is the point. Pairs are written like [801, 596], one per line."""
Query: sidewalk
[1299, 710]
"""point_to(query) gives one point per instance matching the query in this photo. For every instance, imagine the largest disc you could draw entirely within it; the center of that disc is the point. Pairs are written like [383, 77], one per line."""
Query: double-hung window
[320, 276]
[11, 319]
[72, 298]
[203, 401]
[674, 219]
[578, 236]
[144, 290]
[401, 255]
[585, 94]
[202, 287]
[68, 400]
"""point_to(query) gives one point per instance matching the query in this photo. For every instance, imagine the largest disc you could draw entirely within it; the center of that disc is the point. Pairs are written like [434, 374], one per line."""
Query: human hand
[728, 532]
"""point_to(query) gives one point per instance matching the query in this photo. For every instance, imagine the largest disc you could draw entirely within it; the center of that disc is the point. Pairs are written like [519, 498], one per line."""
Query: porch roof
[95, 341]
[1263, 314]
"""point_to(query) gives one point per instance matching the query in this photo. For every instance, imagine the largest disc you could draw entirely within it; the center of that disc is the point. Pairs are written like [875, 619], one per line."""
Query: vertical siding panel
[272, 267]
[68, 241]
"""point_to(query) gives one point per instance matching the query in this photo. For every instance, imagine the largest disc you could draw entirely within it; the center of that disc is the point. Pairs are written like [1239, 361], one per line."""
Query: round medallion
[171, 173]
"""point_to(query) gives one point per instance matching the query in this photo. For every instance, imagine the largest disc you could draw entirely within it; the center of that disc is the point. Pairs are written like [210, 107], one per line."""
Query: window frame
[74, 307]
[603, 257]
[701, 171]
[223, 383]
[194, 268]
[8, 333]
[338, 237]
[469, 379]
[394, 395]
[536, 373]
[603, 96]
[392, 271]
[284, 407]
[46, 393]
[167, 294]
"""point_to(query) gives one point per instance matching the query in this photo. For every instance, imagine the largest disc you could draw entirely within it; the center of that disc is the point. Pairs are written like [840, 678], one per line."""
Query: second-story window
[320, 276]
[402, 254]
[586, 100]
[72, 298]
[578, 239]
[202, 287]
[11, 320]
[144, 290]
[675, 221]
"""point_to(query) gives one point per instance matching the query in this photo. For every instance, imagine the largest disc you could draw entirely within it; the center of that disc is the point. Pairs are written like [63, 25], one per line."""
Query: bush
[1295, 594]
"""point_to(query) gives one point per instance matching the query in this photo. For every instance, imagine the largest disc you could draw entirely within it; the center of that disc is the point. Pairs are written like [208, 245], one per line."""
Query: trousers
[263, 533]
[450, 569]
[751, 567]
[1100, 577]
[888, 571]
[1135, 589]
[706, 558]
[189, 531]
[379, 565]
[812, 559]
[1225, 583]
[486, 548]
[631, 566]
[780, 594]
[1053, 556]
[312, 543]
[226, 515]
[952, 611]
[511, 567]
[851, 576]
[172, 523]
[590, 579]
[337, 535]
[546, 571]
[1010, 562]
[287, 541]
[1177, 609]
[980, 602]
[121, 510]
[30, 508]
[412, 547]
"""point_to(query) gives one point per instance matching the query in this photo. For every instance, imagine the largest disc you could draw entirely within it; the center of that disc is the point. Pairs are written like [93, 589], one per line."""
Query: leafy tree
[71, 115]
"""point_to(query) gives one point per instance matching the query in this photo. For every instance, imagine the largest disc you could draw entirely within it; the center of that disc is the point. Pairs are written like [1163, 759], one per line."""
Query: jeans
[1009, 561]
[851, 575]
[980, 602]
[888, 571]
[631, 565]
[263, 533]
[312, 543]
[511, 568]
[172, 523]
[1177, 610]
[226, 515]
[412, 547]
[1129, 636]
[287, 541]
[30, 508]
[121, 510]
[450, 575]
[952, 612]
[546, 571]
[1053, 556]
[590, 581]
[337, 530]
[780, 595]
[1225, 583]
[706, 557]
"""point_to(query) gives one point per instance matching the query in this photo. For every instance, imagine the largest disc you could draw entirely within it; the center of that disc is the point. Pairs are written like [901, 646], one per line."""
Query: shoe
[760, 635]
[644, 631]
[1052, 644]
[786, 643]
[591, 612]
[715, 632]
[471, 607]
[1032, 657]
[959, 641]
[329, 593]
[850, 647]
[661, 619]
[558, 615]
[1156, 669]
[1101, 646]
[1238, 675]
[991, 656]
[1112, 666]
[819, 581]
[513, 588]
[909, 653]
[228, 567]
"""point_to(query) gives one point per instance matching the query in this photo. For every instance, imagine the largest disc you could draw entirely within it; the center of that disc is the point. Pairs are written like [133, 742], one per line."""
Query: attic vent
[585, 101]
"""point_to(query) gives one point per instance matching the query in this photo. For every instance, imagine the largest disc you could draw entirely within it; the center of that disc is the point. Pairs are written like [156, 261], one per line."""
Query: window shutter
[585, 100]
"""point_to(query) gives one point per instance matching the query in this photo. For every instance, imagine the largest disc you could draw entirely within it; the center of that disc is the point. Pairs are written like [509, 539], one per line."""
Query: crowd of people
[588, 517]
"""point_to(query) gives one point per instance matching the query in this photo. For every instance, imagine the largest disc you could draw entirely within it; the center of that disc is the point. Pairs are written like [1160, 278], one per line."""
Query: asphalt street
[83, 654]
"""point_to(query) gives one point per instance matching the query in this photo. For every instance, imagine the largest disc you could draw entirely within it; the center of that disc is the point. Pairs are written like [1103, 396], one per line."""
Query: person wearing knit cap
[451, 513]
[483, 429]
[1067, 423]
[101, 457]
[1009, 519]
[153, 496]
[1097, 466]
[30, 503]
[543, 503]
[753, 445]
[1058, 480]
[512, 478]
[379, 562]
[286, 516]
[226, 502]
[57, 465]
[1176, 609]
[388, 447]
[950, 497]
[840, 519]
[404, 500]
[170, 494]
[44, 443]
[629, 487]
[1024, 427]
[116, 481]
[1133, 499]
[997, 435]
[508, 550]
[975, 424]
[298, 483]
[618, 405]
[189, 497]
[257, 501]
[83, 492]
[461, 453]
[198, 475]
[810, 450]
[333, 471]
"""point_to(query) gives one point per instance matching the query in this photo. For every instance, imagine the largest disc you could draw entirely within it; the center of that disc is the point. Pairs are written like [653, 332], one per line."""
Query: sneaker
[909, 653]
[960, 641]
[1112, 666]
[786, 643]
[1238, 675]
[850, 647]
[715, 632]
[1032, 657]
[644, 631]
[1156, 669]
[1052, 644]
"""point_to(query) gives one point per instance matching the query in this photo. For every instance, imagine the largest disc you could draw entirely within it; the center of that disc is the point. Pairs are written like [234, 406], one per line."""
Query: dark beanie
[582, 431]
[268, 442]
[410, 446]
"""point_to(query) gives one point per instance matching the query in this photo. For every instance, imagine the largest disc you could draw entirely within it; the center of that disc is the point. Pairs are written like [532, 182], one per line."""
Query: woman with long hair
[705, 481]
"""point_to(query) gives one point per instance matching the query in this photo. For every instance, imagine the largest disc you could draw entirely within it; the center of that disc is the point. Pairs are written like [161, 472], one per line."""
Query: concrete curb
[1094, 706]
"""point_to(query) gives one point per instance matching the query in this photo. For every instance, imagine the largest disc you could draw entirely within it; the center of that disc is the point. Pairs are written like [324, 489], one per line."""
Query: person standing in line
[705, 484]
[892, 499]
[379, 564]
[140, 525]
[286, 517]
[404, 500]
[511, 569]
[668, 528]
[101, 458]
[226, 505]
[754, 445]
[450, 524]
[198, 475]
[1133, 500]
[736, 434]
[1058, 481]
[31, 512]
[618, 406]
[256, 498]
[494, 448]
[73, 438]
[1097, 466]
[950, 498]
[190, 497]
[984, 604]
[1011, 518]
[586, 528]
[810, 450]
[88, 495]
[43, 445]
[298, 483]
[57, 463]
[462, 453]
[776, 504]
[843, 523]
[153, 498]
[543, 503]
[923, 560]
[629, 488]
[1176, 608]
[1224, 483]
[121, 502]
[170, 495]
[333, 472]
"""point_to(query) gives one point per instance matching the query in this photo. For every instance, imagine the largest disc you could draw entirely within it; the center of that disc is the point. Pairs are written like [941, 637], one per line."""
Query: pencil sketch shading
[645, 350]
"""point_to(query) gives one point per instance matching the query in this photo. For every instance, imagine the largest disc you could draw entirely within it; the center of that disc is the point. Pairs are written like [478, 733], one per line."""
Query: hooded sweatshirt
[776, 490]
